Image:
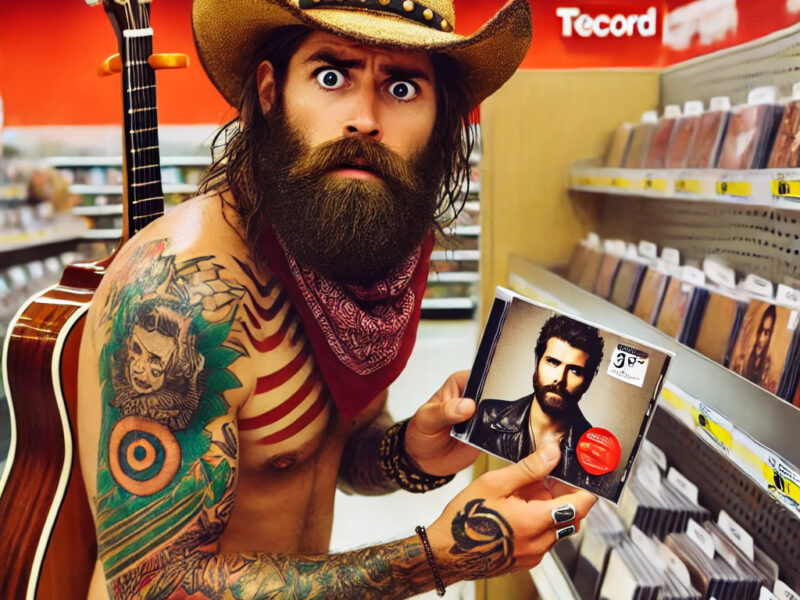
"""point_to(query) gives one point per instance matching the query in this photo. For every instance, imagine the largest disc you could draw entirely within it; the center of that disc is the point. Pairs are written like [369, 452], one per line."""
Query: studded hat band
[408, 9]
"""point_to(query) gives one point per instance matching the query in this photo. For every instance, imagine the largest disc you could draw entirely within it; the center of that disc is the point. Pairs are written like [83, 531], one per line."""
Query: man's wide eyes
[330, 79]
[403, 90]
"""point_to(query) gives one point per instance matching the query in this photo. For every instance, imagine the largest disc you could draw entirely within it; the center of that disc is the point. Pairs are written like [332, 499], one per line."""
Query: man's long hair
[576, 334]
[235, 145]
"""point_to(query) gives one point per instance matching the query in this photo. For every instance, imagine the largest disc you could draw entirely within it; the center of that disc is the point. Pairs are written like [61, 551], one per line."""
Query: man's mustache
[356, 152]
[559, 389]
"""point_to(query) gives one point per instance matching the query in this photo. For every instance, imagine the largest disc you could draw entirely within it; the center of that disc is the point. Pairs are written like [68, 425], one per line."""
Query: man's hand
[504, 520]
[428, 442]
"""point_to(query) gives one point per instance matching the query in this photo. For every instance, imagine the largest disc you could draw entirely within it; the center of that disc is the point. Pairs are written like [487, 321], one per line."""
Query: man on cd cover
[568, 354]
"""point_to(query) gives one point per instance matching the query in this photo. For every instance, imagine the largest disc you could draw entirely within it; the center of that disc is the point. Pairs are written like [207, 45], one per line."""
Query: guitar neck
[143, 199]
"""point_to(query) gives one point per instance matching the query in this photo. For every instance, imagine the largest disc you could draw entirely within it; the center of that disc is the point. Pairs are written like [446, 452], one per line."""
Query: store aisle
[442, 348]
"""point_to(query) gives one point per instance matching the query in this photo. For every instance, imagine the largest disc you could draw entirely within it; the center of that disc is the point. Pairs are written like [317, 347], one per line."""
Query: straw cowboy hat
[228, 34]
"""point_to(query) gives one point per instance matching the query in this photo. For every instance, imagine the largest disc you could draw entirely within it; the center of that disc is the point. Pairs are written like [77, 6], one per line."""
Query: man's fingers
[433, 417]
[580, 503]
[530, 469]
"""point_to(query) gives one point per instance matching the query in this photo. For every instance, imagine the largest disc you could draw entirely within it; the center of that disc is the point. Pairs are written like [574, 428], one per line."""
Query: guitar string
[130, 82]
[157, 204]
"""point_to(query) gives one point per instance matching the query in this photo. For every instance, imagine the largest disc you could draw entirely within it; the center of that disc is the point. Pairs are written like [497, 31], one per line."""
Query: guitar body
[48, 548]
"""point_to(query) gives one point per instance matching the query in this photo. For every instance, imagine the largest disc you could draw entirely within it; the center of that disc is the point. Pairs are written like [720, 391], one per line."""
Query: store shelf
[61, 162]
[468, 230]
[107, 210]
[454, 277]
[778, 188]
[102, 234]
[456, 255]
[765, 417]
[551, 580]
[116, 190]
[448, 304]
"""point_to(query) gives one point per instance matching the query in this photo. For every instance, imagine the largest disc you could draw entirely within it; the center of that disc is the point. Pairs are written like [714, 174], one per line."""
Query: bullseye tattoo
[484, 541]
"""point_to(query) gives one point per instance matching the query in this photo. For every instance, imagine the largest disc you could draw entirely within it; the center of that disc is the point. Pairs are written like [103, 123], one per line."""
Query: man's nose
[364, 121]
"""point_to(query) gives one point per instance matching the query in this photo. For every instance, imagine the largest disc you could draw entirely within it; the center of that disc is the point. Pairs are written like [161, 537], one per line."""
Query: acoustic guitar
[47, 537]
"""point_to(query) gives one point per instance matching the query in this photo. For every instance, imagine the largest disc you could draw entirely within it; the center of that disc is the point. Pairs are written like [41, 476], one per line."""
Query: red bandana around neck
[362, 337]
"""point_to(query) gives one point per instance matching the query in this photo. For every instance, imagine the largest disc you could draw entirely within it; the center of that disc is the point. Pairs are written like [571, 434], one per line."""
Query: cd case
[541, 374]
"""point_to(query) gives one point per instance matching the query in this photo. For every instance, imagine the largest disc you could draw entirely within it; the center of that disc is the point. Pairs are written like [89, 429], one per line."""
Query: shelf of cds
[673, 532]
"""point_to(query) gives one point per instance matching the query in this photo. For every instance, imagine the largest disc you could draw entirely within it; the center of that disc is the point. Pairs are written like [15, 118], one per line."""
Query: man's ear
[266, 85]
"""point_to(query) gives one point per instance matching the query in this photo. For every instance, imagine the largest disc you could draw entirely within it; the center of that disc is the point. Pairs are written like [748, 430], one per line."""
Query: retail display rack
[718, 466]
[750, 219]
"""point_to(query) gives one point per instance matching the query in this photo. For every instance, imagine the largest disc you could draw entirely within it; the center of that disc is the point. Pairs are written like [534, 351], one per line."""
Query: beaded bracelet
[440, 589]
[396, 466]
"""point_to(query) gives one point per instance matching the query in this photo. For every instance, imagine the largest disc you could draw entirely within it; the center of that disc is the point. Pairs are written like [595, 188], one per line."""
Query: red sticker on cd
[598, 451]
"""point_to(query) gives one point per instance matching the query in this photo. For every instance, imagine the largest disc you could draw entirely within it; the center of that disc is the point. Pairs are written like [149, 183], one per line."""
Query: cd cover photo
[542, 375]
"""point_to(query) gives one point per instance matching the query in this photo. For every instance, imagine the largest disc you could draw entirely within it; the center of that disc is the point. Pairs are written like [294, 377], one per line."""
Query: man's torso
[290, 435]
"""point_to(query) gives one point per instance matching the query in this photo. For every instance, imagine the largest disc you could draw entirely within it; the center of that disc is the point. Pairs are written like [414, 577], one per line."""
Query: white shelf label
[719, 273]
[734, 531]
[648, 249]
[700, 537]
[683, 485]
[656, 453]
[788, 296]
[765, 594]
[758, 286]
[784, 592]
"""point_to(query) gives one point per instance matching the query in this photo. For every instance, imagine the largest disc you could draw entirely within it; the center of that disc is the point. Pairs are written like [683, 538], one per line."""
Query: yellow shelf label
[620, 182]
[786, 189]
[602, 181]
[659, 185]
[734, 188]
[585, 181]
[688, 186]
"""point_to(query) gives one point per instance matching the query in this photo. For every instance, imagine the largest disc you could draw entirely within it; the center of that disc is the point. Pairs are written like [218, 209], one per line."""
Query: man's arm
[360, 470]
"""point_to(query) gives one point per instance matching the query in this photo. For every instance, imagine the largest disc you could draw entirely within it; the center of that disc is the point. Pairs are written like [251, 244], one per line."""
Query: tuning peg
[168, 61]
[111, 65]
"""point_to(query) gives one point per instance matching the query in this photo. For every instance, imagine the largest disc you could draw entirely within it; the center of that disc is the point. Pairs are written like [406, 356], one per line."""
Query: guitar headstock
[125, 14]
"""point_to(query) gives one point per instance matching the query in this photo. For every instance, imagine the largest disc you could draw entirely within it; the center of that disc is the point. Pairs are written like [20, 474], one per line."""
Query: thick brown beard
[350, 230]
[555, 409]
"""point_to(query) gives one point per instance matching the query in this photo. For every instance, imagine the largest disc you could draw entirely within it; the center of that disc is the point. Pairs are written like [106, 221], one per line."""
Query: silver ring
[563, 514]
[565, 532]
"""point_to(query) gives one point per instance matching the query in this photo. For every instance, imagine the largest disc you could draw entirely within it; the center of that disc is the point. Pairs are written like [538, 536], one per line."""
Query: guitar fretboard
[145, 198]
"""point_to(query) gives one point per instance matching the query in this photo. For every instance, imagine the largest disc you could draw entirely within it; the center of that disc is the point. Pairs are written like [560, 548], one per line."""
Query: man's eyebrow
[329, 57]
[400, 72]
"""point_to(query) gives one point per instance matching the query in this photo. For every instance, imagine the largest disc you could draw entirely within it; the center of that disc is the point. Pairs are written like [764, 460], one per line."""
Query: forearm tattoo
[484, 542]
[360, 470]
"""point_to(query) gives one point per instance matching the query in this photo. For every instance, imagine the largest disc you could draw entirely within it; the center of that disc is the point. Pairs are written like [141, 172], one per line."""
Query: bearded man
[568, 354]
[321, 208]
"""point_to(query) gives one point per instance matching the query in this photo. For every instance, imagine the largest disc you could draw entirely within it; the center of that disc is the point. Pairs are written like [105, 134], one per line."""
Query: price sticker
[700, 537]
[586, 181]
[628, 364]
[656, 185]
[785, 189]
[620, 182]
[602, 181]
[742, 189]
[687, 186]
